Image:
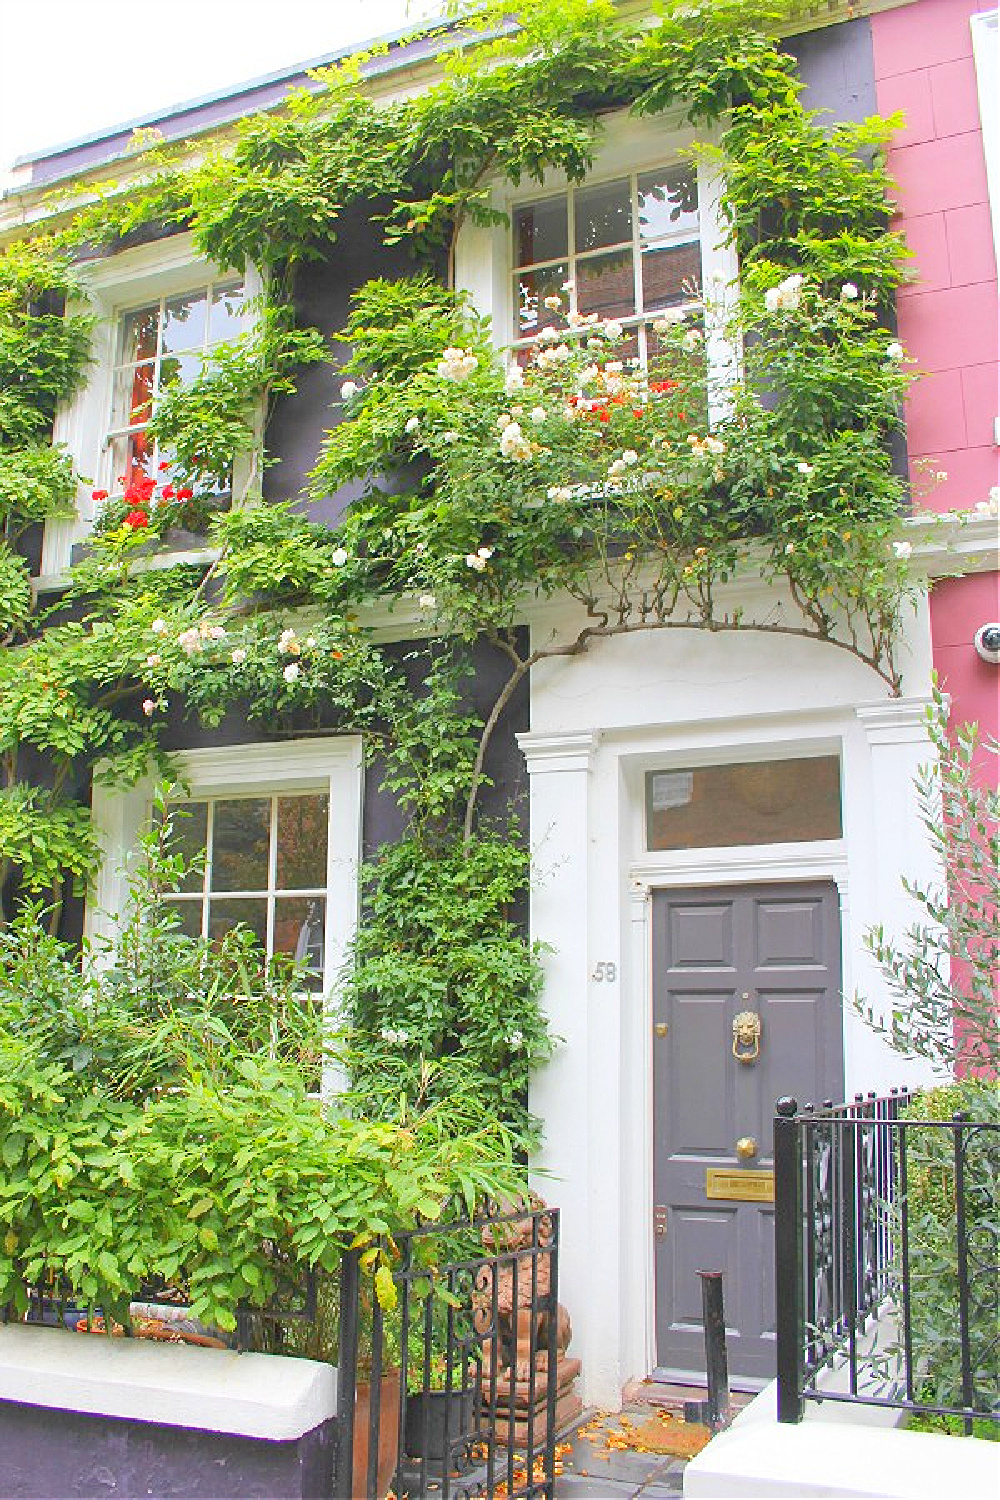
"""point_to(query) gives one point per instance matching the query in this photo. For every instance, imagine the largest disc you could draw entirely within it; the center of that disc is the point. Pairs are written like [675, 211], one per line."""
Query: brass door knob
[661, 1028]
[746, 1148]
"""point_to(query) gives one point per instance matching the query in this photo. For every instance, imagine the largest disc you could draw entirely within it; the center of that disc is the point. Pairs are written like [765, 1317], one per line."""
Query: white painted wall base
[839, 1450]
[211, 1390]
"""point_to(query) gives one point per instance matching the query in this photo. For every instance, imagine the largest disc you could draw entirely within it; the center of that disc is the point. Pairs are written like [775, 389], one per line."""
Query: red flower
[637, 411]
[168, 492]
[99, 495]
[136, 519]
[604, 415]
[662, 386]
[185, 494]
[162, 467]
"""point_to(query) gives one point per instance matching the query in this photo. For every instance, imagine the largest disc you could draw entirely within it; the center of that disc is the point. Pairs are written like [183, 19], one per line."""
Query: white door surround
[591, 904]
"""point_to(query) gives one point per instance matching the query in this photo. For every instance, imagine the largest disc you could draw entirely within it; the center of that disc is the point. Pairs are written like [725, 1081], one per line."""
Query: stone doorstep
[669, 1395]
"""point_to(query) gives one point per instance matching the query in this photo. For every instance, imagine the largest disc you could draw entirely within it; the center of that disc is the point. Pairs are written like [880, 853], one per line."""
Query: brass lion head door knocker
[746, 1036]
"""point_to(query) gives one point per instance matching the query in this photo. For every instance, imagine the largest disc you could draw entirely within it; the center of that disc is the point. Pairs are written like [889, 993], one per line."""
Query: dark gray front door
[774, 951]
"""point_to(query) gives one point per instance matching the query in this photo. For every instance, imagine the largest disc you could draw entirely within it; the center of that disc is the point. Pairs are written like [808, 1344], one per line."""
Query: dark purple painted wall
[837, 67]
[45, 1454]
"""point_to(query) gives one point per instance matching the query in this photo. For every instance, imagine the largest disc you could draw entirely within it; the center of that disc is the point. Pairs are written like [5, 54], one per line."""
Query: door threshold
[698, 1380]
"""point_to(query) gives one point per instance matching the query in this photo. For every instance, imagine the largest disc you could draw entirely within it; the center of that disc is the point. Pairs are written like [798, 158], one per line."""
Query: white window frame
[985, 26]
[116, 285]
[332, 765]
[484, 254]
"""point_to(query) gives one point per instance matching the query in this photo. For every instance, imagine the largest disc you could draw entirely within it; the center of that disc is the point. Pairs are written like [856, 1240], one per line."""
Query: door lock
[661, 1028]
[660, 1221]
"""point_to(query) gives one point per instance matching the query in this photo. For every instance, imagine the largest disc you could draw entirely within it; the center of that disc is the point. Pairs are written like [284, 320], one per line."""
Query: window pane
[302, 831]
[138, 335]
[132, 395]
[240, 838]
[603, 215]
[190, 835]
[756, 802]
[190, 913]
[540, 232]
[130, 456]
[229, 316]
[530, 291]
[668, 206]
[299, 929]
[182, 367]
[185, 322]
[605, 284]
[670, 274]
[226, 914]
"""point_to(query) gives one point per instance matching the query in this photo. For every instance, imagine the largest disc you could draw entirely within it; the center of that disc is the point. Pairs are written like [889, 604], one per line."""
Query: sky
[70, 68]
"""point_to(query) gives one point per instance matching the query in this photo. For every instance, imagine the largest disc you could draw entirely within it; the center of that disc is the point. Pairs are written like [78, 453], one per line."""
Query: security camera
[988, 643]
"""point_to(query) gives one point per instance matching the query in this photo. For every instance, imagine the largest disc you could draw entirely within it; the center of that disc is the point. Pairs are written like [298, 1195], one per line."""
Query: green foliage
[443, 987]
[35, 483]
[45, 840]
[943, 972]
[43, 351]
[932, 1208]
[155, 1120]
[15, 592]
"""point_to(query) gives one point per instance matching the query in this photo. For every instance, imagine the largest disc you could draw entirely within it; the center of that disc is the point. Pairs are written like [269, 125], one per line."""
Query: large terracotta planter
[388, 1434]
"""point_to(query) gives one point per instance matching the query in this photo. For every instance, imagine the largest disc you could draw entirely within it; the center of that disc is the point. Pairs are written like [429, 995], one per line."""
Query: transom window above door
[261, 861]
[745, 802]
[157, 343]
[625, 249]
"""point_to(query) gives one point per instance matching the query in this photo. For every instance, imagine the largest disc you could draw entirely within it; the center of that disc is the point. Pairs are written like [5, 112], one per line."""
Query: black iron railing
[449, 1385]
[886, 1251]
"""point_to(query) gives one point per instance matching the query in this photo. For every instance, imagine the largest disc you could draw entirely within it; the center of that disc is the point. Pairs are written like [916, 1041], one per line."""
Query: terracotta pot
[388, 1434]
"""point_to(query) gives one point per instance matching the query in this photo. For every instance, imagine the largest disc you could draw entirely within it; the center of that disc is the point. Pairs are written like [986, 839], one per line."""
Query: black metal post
[788, 1259]
[960, 1122]
[347, 1372]
[716, 1363]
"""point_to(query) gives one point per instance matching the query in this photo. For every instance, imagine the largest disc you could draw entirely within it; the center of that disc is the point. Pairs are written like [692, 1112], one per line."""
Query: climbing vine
[640, 493]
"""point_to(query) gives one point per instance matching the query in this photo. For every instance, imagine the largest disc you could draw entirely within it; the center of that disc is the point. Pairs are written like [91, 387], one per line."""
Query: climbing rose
[291, 671]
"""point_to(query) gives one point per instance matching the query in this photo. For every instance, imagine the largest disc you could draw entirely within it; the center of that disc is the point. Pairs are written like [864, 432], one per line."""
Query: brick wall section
[948, 314]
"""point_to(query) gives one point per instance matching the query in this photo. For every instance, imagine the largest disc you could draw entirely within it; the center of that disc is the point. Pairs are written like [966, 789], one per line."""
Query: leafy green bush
[932, 1208]
[156, 1120]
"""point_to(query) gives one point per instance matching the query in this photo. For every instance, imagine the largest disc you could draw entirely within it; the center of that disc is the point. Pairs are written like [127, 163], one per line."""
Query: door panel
[773, 950]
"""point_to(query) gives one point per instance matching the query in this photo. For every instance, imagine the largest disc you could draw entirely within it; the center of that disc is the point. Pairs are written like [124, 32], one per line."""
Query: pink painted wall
[948, 315]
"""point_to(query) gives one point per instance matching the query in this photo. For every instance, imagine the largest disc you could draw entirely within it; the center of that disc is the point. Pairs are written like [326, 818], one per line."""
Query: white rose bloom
[848, 292]
[238, 657]
[159, 627]
[895, 352]
[790, 548]
[772, 299]
[692, 338]
[153, 660]
[473, 560]
[902, 549]
[554, 303]
[805, 468]
[338, 557]
[291, 672]
[449, 437]
[427, 601]
[538, 415]
[515, 379]
[630, 457]
[148, 707]
[412, 423]
[485, 553]
[348, 389]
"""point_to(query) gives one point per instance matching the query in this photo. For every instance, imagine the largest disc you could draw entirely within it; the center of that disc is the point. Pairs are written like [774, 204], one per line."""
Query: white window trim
[483, 261]
[115, 285]
[332, 765]
[986, 53]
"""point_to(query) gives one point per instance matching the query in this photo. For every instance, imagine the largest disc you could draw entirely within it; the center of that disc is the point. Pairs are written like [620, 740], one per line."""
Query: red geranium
[98, 494]
[136, 519]
[185, 494]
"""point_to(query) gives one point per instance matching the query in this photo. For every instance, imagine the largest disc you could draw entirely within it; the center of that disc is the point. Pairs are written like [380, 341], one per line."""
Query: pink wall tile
[917, 36]
[931, 266]
[940, 174]
[911, 93]
[970, 244]
[954, 92]
[935, 414]
[958, 607]
[972, 473]
[946, 329]
[982, 403]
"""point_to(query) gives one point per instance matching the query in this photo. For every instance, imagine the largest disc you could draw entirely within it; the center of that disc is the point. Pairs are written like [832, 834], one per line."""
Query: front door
[770, 952]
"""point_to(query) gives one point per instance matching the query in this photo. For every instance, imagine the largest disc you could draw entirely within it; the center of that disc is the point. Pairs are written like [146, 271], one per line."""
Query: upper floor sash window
[627, 249]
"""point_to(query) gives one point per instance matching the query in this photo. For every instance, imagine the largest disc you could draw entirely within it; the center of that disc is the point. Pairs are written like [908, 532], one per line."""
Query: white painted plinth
[213, 1390]
[839, 1450]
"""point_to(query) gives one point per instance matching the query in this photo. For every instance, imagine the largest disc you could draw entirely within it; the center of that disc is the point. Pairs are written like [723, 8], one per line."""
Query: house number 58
[605, 973]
